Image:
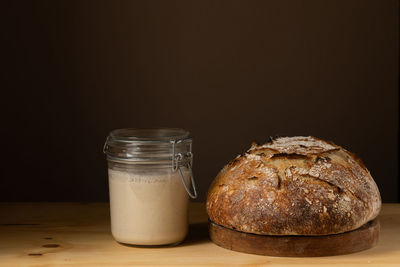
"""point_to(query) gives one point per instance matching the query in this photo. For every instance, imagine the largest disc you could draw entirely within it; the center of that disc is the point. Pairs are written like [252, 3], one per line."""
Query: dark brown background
[231, 72]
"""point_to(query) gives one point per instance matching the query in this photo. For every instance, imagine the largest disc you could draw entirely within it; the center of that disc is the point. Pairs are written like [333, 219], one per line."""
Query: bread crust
[294, 186]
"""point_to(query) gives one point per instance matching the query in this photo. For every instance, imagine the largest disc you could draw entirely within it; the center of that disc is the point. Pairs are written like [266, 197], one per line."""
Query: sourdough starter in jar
[150, 176]
[148, 209]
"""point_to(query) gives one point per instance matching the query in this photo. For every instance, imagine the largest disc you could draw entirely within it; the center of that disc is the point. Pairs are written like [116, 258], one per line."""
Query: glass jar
[150, 175]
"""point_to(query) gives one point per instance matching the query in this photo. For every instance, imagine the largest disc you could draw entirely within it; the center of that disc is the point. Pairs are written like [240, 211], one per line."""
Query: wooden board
[297, 246]
[78, 234]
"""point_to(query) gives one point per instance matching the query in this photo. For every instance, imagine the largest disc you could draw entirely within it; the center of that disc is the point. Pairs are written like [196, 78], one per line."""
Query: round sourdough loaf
[294, 186]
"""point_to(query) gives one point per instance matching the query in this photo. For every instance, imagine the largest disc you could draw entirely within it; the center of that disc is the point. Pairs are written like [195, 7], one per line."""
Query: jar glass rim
[148, 145]
[149, 134]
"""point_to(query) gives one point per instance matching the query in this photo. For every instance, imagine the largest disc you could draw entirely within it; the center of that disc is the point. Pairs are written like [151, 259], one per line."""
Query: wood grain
[78, 234]
[297, 246]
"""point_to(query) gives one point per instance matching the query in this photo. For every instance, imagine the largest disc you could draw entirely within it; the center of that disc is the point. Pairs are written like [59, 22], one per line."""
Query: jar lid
[147, 145]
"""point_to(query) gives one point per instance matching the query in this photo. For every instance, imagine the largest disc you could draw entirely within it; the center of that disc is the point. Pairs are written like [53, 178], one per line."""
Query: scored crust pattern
[294, 186]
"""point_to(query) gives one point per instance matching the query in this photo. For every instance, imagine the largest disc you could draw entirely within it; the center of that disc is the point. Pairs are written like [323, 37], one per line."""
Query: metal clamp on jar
[150, 173]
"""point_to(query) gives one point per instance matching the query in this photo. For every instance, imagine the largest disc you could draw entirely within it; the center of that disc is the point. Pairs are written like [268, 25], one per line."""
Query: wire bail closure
[176, 158]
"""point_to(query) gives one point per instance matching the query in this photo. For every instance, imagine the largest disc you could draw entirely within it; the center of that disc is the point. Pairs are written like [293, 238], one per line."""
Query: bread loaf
[294, 186]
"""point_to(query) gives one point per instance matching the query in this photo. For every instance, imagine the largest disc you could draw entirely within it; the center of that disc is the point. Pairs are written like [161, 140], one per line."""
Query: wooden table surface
[78, 234]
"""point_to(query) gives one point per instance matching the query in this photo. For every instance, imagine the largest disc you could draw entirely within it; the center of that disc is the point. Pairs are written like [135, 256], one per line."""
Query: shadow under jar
[150, 175]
